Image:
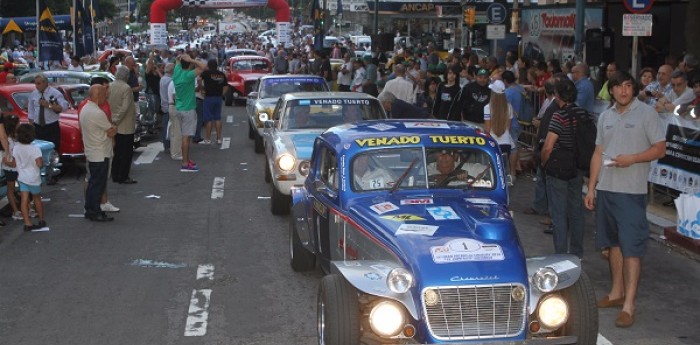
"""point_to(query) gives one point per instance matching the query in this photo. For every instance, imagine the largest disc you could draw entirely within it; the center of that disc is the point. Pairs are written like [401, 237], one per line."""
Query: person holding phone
[658, 88]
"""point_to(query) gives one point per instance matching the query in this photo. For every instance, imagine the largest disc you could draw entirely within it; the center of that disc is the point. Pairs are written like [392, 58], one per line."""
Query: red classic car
[242, 72]
[14, 99]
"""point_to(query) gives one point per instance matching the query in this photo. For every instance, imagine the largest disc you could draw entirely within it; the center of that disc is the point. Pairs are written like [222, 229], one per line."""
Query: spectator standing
[186, 70]
[585, 94]
[400, 87]
[630, 135]
[646, 77]
[45, 104]
[398, 109]
[370, 84]
[474, 97]
[294, 63]
[497, 117]
[280, 63]
[124, 118]
[9, 166]
[75, 64]
[564, 180]
[163, 93]
[214, 87]
[345, 74]
[657, 88]
[174, 130]
[609, 71]
[303, 67]
[97, 133]
[680, 94]
[199, 108]
[133, 80]
[360, 75]
[325, 69]
[444, 107]
[29, 162]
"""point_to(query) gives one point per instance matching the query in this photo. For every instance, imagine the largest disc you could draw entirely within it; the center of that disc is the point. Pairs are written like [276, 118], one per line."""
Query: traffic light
[465, 16]
[471, 16]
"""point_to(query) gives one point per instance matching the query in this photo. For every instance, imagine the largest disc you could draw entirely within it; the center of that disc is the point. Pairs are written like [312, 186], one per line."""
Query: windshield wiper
[403, 176]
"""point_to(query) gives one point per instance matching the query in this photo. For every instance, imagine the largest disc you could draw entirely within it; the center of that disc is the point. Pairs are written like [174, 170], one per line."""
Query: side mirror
[253, 94]
[269, 124]
[321, 187]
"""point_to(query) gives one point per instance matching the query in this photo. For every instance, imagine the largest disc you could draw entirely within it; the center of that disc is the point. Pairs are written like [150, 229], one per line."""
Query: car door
[324, 199]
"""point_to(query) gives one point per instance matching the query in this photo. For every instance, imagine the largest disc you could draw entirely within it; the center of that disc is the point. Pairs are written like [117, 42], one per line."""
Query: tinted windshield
[436, 168]
[326, 113]
[276, 87]
[251, 65]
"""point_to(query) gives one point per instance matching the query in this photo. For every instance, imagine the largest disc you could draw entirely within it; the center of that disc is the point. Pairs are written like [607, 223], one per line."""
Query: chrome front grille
[475, 312]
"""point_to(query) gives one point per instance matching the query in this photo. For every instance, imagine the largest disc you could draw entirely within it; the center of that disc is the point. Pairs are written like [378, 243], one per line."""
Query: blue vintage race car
[410, 222]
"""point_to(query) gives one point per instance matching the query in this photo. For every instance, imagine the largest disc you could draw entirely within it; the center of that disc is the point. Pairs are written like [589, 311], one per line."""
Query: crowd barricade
[528, 137]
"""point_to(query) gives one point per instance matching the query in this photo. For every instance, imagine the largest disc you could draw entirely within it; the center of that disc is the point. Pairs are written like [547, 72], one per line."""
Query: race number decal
[442, 213]
[384, 207]
[466, 249]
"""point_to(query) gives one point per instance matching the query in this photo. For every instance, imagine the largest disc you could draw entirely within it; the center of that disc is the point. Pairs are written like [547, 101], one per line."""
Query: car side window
[278, 109]
[329, 169]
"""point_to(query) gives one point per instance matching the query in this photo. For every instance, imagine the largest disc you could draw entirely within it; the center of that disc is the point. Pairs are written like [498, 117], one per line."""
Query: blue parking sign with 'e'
[496, 13]
[638, 6]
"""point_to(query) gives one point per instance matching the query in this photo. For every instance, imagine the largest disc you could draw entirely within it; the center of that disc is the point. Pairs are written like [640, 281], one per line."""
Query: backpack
[585, 136]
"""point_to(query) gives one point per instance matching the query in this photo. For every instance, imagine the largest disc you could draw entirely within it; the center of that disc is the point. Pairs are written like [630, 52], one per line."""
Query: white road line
[229, 119]
[149, 154]
[602, 340]
[226, 143]
[263, 197]
[198, 314]
[217, 189]
[205, 271]
[156, 264]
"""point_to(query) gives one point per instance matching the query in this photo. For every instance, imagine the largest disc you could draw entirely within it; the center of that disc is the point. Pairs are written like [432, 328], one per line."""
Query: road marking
[602, 340]
[156, 264]
[205, 271]
[263, 197]
[229, 119]
[149, 154]
[76, 215]
[217, 189]
[226, 143]
[198, 314]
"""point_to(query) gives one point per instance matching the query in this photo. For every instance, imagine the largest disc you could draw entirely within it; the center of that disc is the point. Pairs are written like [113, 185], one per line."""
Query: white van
[363, 42]
[208, 28]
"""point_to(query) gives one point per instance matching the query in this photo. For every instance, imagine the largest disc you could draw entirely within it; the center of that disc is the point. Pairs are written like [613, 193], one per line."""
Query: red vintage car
[14, 99]
[242, 72]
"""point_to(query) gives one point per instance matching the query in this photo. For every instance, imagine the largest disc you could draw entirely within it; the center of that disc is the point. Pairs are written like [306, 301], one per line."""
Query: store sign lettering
[558, 22]
[417, 7]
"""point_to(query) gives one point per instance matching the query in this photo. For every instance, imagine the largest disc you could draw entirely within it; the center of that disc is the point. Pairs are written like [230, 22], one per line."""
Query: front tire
[228, 99]
[268, 173]
[338, 312]
[251, 132]
[279, 203]
[300, 259]
[259, 146]
[583, 319]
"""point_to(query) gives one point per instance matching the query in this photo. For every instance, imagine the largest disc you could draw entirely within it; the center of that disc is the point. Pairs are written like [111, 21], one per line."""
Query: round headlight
[54, 158]
[553, 312]
[399, 280]
[545, 280]
[304, 168]
[386, 319]
[285, 162]
[431, 297]
[262, 117]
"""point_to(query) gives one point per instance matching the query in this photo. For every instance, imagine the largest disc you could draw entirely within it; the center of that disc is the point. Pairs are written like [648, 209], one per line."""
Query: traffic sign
[495, 32]
[496, 13]
[638, 6]
[636, 24]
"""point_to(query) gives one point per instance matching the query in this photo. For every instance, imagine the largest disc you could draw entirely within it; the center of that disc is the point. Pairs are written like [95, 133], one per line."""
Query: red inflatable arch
[160, 8]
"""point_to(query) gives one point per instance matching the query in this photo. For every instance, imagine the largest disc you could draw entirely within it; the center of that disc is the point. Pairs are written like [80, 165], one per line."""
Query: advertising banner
[680, 168]
[548, 33]
[50, 45]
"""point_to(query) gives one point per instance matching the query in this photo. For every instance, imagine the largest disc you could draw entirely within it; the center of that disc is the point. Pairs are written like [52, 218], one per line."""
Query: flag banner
[78, 32]
[339, 9]
[95, 10]
[50, 46]
[88, 31]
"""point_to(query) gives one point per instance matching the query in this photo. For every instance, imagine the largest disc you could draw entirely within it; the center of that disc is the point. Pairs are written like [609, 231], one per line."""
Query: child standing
[9, 166]
[29, 164]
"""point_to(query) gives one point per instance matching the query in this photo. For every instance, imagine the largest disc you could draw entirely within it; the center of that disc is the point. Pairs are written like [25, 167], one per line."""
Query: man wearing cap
[400, 87]
[474, 97]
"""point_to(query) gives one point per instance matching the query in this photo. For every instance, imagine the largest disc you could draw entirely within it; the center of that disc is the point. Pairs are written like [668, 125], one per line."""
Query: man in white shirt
[345, 74]
[399, 86]
[75, 64]
[45, 103]
[679, 94]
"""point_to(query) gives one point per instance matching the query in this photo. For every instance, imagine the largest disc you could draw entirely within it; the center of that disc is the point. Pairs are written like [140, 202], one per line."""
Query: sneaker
[41, 224]
[206, 142]
[176, 158]
[32, 213]
[17, 215]
[189, 168]
[219, 141]
[108, 207]
[191, 162]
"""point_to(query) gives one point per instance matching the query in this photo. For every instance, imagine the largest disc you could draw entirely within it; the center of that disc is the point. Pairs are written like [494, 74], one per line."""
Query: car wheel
[583, 312]
[268, 173]
[301, 259]
[259, 147]
[338, 315]
[279, 203]
[251, 132]
[229, 97]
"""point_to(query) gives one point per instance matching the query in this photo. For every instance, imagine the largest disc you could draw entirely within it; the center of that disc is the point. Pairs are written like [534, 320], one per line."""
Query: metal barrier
[528, 137]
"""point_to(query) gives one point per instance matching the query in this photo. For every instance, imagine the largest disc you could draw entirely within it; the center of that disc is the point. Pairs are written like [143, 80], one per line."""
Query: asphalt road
[194, 259]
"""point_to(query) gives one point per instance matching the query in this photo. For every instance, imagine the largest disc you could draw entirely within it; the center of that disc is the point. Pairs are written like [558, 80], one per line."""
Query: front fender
[370, 277]
[567, 266]
[300, 214]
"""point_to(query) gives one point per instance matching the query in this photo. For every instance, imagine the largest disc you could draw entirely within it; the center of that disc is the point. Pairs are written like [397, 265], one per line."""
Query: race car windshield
[433, 168]
[322, 113]
[274, 88]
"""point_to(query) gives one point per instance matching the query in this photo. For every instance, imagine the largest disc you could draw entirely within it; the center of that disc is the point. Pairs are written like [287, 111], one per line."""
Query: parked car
[242, 72]
[267, 91]
[14, 99]
[409, 222]
[289, 136]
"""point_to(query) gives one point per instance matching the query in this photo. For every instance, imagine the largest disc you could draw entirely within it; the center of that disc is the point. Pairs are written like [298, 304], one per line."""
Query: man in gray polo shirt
[630, 135]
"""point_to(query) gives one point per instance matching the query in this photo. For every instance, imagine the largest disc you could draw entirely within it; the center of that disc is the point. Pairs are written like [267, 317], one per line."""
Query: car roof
[438, 133]
[17, 87]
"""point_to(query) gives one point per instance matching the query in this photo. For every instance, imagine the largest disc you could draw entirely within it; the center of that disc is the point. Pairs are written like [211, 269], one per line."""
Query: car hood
[445, 241]
[300, 142]
[252, 76]
[266, 103]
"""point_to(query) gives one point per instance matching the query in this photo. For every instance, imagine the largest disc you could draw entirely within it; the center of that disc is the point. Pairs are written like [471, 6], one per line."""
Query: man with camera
[45, 105]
